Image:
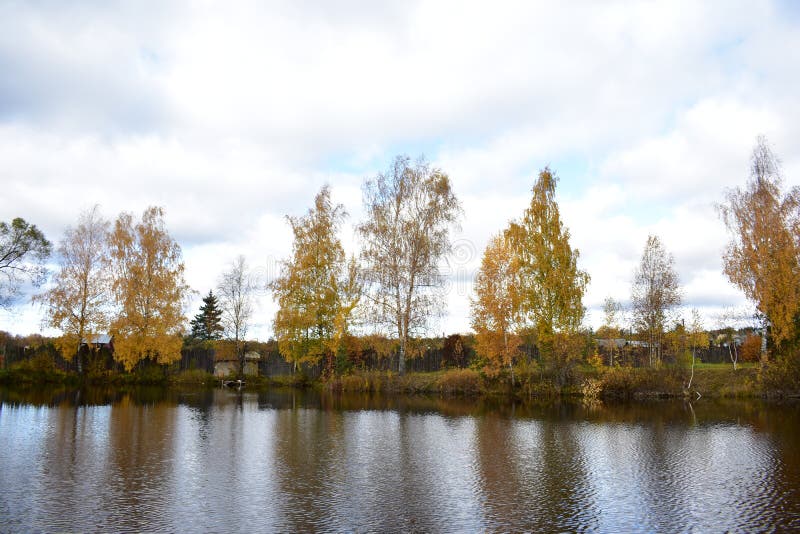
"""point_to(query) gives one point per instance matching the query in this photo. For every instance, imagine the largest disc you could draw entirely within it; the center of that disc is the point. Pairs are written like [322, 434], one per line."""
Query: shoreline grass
[623, 383]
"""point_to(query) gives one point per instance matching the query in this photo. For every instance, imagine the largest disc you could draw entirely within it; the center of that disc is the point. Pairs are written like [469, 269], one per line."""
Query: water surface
[158, 460]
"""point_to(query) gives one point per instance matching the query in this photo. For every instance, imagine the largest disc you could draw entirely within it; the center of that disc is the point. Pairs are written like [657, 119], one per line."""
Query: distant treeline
[432, 354]
[125, 281]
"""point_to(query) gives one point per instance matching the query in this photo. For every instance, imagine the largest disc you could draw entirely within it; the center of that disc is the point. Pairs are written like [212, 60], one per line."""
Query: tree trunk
[401, 357]
[240, 353]
[691, 377]
[764, 345]
[79, 360]
[510, 363]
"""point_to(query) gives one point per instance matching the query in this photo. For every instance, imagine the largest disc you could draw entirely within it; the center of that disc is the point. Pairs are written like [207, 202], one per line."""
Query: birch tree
[728, 322]
[495, 308]
[655, 294]
[761, 258]
[551, 284]
[410, 210]
[80, 300]
[610, 328]
[697, 338]
[149, 290]
[350, 292]
[317, 289]
[23, 251]
[235, 289]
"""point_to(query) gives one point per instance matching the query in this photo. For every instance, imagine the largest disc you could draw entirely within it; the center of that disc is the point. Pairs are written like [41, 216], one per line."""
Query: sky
[232, 115]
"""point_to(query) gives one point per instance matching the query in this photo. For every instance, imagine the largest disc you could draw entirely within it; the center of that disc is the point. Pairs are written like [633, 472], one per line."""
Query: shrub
[566, 351]
[751, 348]
[619, 382]
[150, 373]
[360, 382]
[463, 381]
[354, 382]
[627, 382]
[591, 388]
[40, 368]
[533, 381]
[194, 376]
[782, 377]
[595, 360]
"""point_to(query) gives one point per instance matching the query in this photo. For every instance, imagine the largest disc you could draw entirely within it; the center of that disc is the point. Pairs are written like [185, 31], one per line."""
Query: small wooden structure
[98, 342]
[228, 365]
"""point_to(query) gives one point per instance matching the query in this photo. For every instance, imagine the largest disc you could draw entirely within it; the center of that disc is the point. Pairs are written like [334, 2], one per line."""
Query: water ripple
[254, 464]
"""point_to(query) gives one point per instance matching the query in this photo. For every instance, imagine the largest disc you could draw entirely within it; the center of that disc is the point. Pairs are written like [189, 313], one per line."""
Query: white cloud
[232, 116]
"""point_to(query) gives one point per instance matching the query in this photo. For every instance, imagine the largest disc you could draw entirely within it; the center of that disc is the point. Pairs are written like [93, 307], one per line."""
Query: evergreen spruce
[207, 324]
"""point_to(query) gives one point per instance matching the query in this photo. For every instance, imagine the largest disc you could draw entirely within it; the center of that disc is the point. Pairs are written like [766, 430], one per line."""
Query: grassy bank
[42, 371]
[455, 381]
[710, 380]
[34, 372]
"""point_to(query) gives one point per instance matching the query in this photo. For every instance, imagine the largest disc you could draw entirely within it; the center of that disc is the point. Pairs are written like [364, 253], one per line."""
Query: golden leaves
[149, 289]
[529, 277]
[762, 256]
[78, 303]
[495, 309]
[317, 289]
[552, 285]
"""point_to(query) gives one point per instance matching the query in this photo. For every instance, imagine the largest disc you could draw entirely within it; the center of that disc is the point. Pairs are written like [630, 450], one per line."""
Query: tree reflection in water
[288, 460]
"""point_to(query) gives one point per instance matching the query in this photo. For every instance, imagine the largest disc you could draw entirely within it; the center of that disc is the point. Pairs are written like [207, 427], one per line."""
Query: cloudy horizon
[231, 117]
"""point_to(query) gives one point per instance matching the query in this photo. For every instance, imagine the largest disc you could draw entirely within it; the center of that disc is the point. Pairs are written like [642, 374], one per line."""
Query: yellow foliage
[552, 286]
[495, 308]
[149, 289]
[78, 302]
[565, 351]
[751, 348]
[595, 360]
[762, 256]
[382, 346]
[317, 289]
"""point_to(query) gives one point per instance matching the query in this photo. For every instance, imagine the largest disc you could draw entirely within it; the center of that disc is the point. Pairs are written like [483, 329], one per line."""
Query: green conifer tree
[207, 325]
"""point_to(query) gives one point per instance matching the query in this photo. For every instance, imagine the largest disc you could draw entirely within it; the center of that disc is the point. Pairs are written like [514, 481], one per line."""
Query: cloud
[81, 67]
[232, 116]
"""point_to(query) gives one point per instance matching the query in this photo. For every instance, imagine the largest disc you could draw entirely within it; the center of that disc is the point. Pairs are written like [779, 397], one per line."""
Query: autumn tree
[496, 307]
[551, 284]
[610, 329]
[236, 289]
[317, 289]
[762, 257]
[751, 348]
[697, 338]
[149, 289]
[23, 251]
[410, 210]
[350, 292]
[655, 295]
[207, 325]
[728, 322]
[454, 351]
[79, 302]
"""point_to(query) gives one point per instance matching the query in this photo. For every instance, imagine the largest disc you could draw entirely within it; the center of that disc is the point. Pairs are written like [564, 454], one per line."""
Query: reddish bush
[751, 348]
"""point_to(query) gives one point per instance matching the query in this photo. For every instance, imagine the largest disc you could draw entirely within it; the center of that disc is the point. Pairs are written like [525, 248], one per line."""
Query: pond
[221, 460]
